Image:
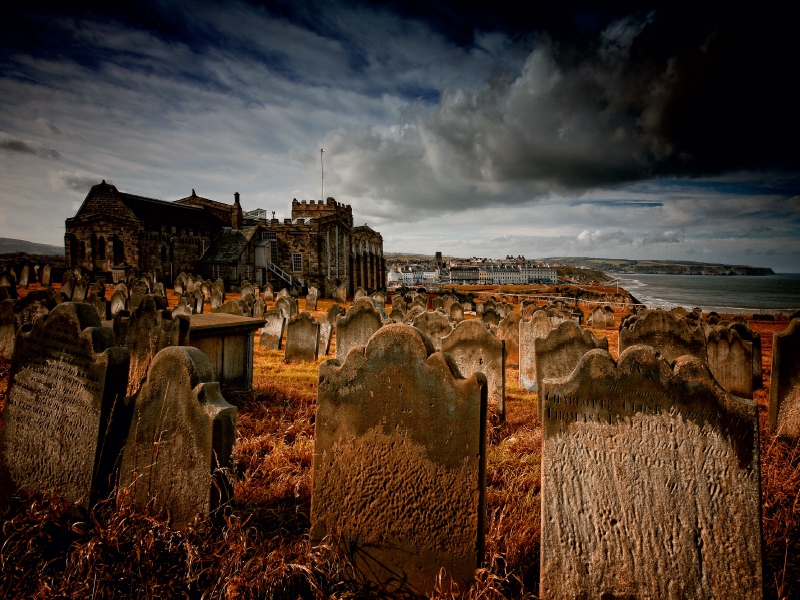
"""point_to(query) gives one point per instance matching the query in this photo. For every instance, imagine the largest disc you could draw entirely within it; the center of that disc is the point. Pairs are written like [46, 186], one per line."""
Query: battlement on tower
[315, 209]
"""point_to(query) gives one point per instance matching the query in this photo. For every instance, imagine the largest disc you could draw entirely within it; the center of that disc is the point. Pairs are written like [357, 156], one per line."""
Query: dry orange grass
[261, 549]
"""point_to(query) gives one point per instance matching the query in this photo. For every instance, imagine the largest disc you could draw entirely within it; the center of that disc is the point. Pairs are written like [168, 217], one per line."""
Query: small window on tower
[297, 262]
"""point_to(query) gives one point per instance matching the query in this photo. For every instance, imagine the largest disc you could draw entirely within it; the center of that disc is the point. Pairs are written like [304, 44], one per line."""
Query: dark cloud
[11, 144]
[756, 231]
[79, 182]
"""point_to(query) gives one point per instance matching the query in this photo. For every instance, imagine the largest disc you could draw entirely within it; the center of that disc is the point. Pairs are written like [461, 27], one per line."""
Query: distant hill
[8, 245]
[657, 267]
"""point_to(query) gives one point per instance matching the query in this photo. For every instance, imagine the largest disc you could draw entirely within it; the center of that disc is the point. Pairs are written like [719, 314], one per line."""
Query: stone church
[114, 233]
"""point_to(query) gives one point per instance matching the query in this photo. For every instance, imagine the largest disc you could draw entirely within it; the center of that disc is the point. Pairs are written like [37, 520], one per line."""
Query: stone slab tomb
[508, 330]
[65, 418]
[357, 326]
[784, 392]
[435, 325]
[272, 333]
[668, 333]
[650, 482]
[559, 352]
[144, 332]
[399, 472]
[180, 438]
[475, 349]
[537, 327]
[730, 360]
[302, 338]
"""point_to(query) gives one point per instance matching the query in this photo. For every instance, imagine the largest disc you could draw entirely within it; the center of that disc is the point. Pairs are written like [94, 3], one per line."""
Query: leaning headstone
[398, 304]
[475, 349]
[8, 328]
[45, 278]
[119, 302]
[258, 309]
[435, 325]
[508, 330]
[65, 418]
[356, 327]
[730, 360]
[144, 332]
[340, 294]
[180, 439]
[399, 463]
[650, 482]
[610, 317]
[311, 299]
[748, 335]
[668, 333]
[784, 392]
[231, 307]
[182, 309]
[302, 338]
[268, 295]
[538, 327]
[272, 333]
[561, 350]
[325, 330]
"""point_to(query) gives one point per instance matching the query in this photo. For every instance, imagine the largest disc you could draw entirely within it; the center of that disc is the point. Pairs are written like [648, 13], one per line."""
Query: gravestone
[784, 392]
[730, 360]
[475, 349]
[435, 325]
[34, 306]
[399, 464]
[284, 293]
[748, 335]
[247, 302]
[284, 303]
[231, 307]
[333, 312]
[119, 302]
[479, 309]
[398, 304]
[438, 303]
[311, 299]
[490, 316]
[456, 312]
[80, 289]
[45, 278]
[508, 330]
[325, 330]
[144, 332]
[650, 482]
[268, 295]
[67, 283]
[181, 411]
[25, 276]
[182, 309]
[206, 287]
[189, 286]
[610, 317]
[415, 311]
[8, 328]
[598, 318]
[138, 293]
[356, 327]
[218, 285]
[199, 303]
[272, 333]
[667, 333]
[65, 417]
[538, 327]
[380, 298]
[217, 298]
[302, 338]
[247, 288]
[340, 294]
[98, 303]
[396, 316]
[360, 293]
[258, 309]
[179, 284]
[559, 352]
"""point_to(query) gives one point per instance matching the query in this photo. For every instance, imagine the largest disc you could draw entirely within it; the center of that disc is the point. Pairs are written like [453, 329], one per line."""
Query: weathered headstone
[311, 299]
[340, 294]
[199, 303]
[65, 418]
[650, 482]
[435, 325]
[490, 316]
[437, 303]
[475, 349]
[598, 318]
[380, 298]
[283, 303]
[218, 285]
[119, 302]
[138, 293]
[24, 276]
[415, 311]
[67, 283]
[182, 309]
[748, 335]
[302, 338]
[231, 307]
[80, 289]
[538, 327]
[357, 326]
[45, 278]
[730, 360]
[399, 464]
[784, 392]
[267, 294]
[258, 309]
[206, 288]
[561, 350]
[667, 333]
[217, 300]
[179, 284]
[508, 330]
[98, 303]
[333, 312]
[284, 293]
[360, 293]
[456, 312]
[325, 330]
[144, 332]
[247, 302]
[396, 316]
[180, 438]
[8, 328]
[247, 288]
[272, 333]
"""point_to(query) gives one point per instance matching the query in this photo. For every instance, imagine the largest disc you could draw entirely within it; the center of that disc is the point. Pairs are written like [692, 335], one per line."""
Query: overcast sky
[620, 131]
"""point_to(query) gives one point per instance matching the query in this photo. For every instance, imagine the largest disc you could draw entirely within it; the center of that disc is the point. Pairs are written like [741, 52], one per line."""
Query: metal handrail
[279, 272]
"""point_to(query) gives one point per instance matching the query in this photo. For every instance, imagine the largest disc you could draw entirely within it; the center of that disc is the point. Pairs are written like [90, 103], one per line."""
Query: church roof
[229, 245]
[151, 210]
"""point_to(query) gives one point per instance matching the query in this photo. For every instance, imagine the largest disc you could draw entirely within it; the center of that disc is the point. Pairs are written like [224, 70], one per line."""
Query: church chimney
[236, 212]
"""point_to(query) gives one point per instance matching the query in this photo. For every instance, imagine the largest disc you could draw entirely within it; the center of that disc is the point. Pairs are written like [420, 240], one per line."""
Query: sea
[740, 293]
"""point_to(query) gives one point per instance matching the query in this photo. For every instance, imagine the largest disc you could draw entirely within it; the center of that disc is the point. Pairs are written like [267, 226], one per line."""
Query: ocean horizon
[767, 293]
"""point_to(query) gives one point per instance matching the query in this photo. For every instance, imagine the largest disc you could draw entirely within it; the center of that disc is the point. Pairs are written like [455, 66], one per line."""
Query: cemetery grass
[261, 548]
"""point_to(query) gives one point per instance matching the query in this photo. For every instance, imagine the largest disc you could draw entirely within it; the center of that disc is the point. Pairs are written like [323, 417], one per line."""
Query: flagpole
[322, 175]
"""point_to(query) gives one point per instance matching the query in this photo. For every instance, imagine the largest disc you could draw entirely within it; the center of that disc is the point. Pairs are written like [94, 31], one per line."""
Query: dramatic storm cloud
[633, 131]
